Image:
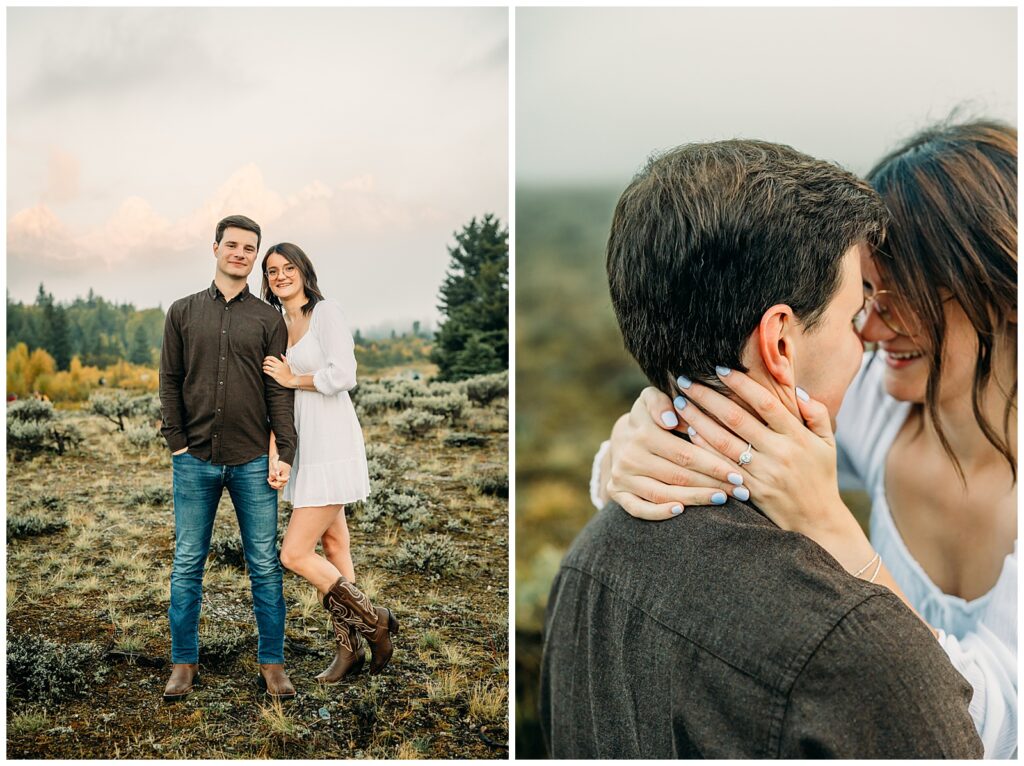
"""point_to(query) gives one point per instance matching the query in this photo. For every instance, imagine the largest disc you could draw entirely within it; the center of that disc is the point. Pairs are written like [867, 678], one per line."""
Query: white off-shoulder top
[980, 636]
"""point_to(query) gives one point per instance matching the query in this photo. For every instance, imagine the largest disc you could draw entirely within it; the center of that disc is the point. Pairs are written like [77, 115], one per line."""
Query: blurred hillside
[573, 379]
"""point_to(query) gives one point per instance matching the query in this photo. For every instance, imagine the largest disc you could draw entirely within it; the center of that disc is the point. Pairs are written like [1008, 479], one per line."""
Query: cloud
[99, 52]
[355, 208]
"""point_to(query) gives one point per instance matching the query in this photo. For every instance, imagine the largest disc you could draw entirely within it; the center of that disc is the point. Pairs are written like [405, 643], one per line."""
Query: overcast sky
[597, 90]
[364, 136]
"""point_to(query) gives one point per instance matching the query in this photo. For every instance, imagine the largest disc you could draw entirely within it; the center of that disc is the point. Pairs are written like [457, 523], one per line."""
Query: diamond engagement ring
[748, 455]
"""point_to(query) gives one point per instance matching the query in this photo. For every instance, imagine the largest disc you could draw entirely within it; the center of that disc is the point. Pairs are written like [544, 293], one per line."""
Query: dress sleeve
[987, 658]
[878, 686]
[338, 349]
[595, 475]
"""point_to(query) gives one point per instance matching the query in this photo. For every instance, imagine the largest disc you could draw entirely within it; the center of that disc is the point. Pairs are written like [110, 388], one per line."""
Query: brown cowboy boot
[349, 604]
[275, 682]
[349, 657]
[181, 682]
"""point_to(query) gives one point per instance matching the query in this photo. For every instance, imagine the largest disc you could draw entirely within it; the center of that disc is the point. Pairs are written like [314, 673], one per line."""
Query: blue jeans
[198, 486]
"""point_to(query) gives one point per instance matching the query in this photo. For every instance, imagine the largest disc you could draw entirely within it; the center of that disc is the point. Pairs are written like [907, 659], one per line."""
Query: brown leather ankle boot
[274, 681]
[352, 606]
[181, 682]
[349, 657]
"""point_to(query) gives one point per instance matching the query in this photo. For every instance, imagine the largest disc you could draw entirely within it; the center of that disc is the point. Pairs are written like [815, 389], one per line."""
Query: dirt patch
[102, 580]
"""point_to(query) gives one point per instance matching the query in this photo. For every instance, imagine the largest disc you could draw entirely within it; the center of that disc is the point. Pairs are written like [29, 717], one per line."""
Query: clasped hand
[279, 370]
[791, 476]
[279, 472]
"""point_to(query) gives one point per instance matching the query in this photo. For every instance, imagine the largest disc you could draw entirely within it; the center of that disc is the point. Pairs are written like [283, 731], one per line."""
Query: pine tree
[139, 352]
[59, 343]
[474, 300]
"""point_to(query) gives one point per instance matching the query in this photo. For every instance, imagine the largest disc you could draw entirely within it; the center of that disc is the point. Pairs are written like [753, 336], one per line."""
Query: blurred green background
[573, 379]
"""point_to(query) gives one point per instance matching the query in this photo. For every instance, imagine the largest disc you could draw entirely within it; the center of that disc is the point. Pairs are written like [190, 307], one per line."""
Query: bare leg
[298, 550]
[337, 549]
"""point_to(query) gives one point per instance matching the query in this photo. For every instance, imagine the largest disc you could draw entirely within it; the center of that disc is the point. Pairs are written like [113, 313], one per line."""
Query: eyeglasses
[891, 309]
[288, 271]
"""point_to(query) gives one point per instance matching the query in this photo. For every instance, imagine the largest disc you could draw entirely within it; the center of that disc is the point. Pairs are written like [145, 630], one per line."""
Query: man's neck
[229, 287]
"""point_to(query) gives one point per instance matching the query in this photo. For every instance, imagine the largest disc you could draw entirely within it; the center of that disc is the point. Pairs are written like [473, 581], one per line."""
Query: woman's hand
[279, 370]
[655, 474]
[791, 475]
[274, 478]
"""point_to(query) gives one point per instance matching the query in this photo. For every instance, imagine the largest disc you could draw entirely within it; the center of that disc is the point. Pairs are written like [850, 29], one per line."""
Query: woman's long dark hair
[294, 255]
[952, 192]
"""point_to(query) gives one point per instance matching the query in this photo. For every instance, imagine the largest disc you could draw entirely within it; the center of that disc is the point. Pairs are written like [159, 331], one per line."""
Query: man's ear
[775, 343]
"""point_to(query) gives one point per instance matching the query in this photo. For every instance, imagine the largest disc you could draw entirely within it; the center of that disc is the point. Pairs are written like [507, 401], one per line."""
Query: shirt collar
[214, 292]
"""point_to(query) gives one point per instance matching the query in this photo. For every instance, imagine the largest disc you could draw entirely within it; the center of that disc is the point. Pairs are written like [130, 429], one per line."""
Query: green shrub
[409, 508]
[51, 502]
[115, 407]
[48, 672]
[31, 410]
[227, 551]
[142, 436]
[484, 389]
[32, 525]
[416, 423]
[33, 426]
[464, 440]
[449, 406]
[373, 404]
[431, 554]
[493, 483]
[219, 645]
[155, 495]
[27, 435]
[146, 406]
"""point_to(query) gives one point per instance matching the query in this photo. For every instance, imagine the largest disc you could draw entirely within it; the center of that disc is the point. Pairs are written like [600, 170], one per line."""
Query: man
[717, 634]
[218, 410]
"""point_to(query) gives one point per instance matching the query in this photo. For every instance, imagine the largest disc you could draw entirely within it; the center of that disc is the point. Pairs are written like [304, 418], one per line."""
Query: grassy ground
[98, 587]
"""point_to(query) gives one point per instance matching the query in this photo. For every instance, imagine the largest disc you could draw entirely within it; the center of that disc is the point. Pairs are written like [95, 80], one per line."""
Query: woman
[330, 462]
[928, 427]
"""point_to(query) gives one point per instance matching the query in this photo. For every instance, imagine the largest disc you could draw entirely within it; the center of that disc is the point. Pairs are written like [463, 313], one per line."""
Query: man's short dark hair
[239, 222]
[708, 237]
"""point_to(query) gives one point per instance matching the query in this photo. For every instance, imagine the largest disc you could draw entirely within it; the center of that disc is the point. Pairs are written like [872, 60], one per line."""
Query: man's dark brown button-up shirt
[214, 397]
[716, 634]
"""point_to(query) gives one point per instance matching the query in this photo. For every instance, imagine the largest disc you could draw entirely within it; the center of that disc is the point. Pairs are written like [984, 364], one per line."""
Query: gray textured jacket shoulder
[716, 634]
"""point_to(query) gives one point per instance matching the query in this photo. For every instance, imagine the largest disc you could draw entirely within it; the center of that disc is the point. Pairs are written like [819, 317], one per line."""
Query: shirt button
[222, 332]
[220, 382]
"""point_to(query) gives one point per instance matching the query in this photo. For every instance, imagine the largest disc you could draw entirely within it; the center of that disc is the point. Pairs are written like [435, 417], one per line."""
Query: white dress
[330, 460]
[980, 636]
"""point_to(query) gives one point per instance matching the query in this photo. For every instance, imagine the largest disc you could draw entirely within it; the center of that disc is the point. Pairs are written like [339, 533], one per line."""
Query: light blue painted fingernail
[735, 478]
[669, 419]
[802, 394]
[718, 498]
[691, 431]
[722, 371]
[741, 493]
[676, 510]
[683, 382]
[679, 402]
